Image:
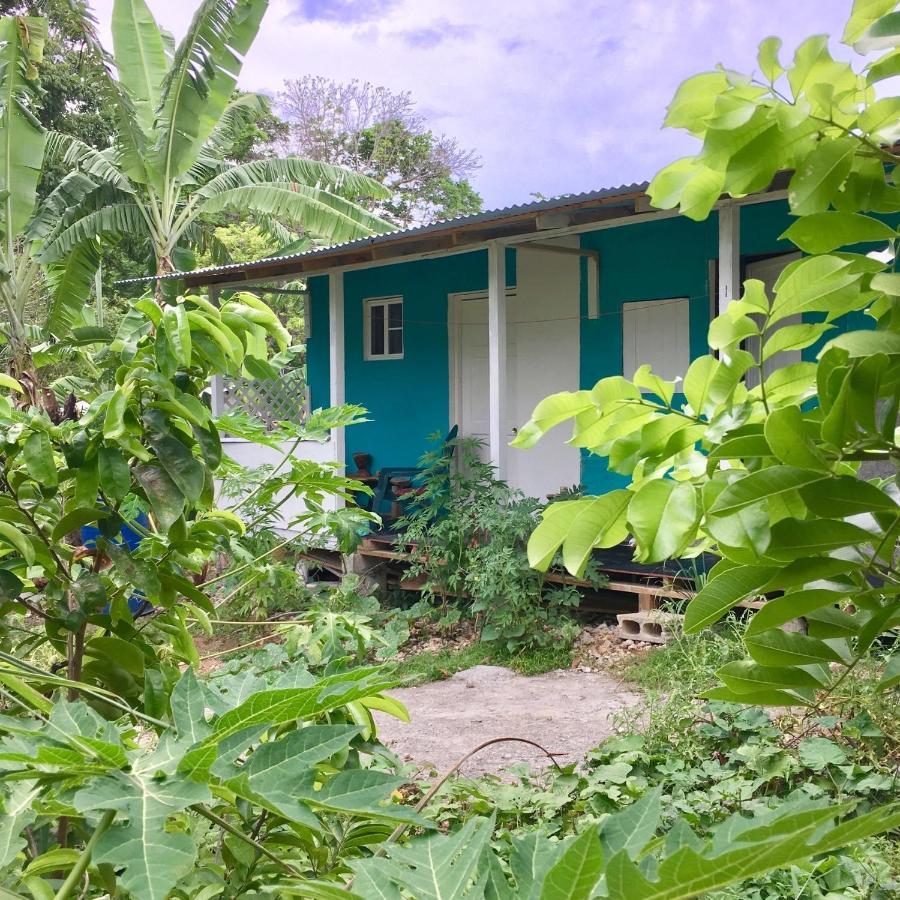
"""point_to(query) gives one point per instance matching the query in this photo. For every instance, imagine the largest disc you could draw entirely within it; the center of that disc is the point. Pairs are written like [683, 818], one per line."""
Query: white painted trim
[369, 302]
[497, 357]
[729, 255]
[454, 345]
[336, 358]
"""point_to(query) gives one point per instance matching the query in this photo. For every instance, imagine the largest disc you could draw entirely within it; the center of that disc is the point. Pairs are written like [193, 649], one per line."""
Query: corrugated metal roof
[507, 212]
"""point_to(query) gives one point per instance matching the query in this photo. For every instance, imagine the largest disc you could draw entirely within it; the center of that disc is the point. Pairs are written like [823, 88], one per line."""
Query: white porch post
[497, 356]
[336, 354]
[729, 254]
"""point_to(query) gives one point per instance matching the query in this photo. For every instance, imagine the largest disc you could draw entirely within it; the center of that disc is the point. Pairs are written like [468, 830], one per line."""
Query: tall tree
[378, 132]
[169, 168]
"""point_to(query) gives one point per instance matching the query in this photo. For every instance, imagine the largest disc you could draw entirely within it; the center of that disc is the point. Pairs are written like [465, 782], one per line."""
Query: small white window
[657, 332]
[383, 328]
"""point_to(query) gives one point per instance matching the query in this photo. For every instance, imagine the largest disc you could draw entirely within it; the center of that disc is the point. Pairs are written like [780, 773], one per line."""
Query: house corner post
[729, 254]
[217, 382]
[497, 387]
[336, 361]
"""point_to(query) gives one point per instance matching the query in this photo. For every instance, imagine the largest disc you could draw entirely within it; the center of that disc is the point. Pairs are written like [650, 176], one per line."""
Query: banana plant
[167, 175]
[22, 143]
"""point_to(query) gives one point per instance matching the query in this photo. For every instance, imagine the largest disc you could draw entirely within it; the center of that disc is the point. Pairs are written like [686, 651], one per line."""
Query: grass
[436, 666]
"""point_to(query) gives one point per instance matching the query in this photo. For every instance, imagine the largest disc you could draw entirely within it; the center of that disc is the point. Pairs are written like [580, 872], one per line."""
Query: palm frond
[67, 195]
[308, 172]
[140, 57]
[74, 153]
[240, 111]
[202, 238]
[317, 212]
[71, 281]
[201, 80]
[115, 219]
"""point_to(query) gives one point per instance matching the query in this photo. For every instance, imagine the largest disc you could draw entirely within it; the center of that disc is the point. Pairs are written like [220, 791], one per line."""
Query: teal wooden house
[473, 321]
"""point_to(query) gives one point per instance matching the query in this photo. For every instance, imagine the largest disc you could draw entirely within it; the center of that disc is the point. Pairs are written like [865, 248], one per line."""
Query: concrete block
[372, 572]
[653, 626]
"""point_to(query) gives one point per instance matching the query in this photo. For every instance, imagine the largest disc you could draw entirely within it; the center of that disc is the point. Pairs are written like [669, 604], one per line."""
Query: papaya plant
[789, 476]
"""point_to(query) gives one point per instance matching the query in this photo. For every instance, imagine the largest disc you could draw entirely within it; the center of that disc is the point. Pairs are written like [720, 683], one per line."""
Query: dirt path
[567, 712]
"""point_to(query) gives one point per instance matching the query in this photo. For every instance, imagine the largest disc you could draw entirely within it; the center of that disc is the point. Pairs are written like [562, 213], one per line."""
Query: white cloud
[556, 97]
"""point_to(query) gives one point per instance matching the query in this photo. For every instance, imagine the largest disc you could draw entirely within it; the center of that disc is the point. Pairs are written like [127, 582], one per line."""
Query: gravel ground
[566, 712]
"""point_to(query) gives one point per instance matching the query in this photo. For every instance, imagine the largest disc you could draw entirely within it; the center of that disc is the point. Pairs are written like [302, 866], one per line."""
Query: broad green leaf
[551, 411]
[14, 536]
[863, 15]
[827, 231]
[114, 421]
[632, 828]
[178, 330]
[723, 593]
[814, 284]
[744, 676]
[185, 471]
[767, 57]
[846, 496]
[891, 675]
[437, 867]
[688, 873]
[820, 175]
[778, 648]
[866, 343]
[114, 473]
[881, 119]
[793, 337]
[688, 184]
[817, 753]
[578, 526]
[694, 101]
[38, 453]
[140, 57]
[766, 483]
[791, 606]
[275, 707]
[18, 806]
[663, 516]
[762, 697]
[10, 383]
[152, 857]
[166, 500]
[576, 872]
[786, 433]
[748, 528]
[793, 538]
[22, 138]
[75, 520]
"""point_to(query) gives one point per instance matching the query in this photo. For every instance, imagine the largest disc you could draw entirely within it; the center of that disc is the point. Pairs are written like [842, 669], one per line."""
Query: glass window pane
[395, 315]
[376, 329]
[395, 341]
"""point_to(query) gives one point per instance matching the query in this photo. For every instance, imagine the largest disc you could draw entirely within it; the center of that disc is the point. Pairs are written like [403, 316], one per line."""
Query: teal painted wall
[317, 367]
[408, 399]
[652, 261]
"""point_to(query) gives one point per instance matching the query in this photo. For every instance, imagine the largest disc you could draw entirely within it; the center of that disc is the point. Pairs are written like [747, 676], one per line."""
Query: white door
[542, 358]
[767, 271]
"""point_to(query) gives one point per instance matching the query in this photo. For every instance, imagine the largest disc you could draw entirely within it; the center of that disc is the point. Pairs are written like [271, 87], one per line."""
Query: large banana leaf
[116, 219]
[201, 80]
[140, 56]
[75, 154]
[70, 281]
[334, 179]
[21, 136]
[319, 213]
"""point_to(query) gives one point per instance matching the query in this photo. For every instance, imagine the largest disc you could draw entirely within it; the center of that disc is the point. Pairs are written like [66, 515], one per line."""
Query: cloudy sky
[556, 96]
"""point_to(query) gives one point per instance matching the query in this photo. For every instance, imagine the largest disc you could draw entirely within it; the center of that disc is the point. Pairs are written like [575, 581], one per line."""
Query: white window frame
[368, 304]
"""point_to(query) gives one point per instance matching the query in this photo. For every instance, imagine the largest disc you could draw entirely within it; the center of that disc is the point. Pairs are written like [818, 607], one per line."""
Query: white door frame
[454, 320]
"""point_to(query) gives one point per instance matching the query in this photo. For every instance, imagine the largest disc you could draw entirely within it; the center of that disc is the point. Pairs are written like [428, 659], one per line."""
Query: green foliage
[770, 469]
[467, 532]
[379, 133]
[135, 795]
